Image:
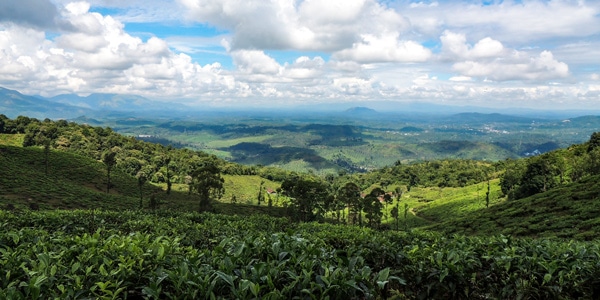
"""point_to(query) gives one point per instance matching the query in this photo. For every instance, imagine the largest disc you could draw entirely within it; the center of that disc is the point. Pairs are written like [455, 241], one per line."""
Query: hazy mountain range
[69, 106]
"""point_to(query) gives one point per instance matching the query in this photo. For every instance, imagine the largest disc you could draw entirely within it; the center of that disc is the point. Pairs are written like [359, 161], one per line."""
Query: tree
[398, 193]
[109, 160]
[308, 197]
[349, 194]
[413, 180]
[406, 216]
[189, 181]
[539, 175]
[511, 179]
[260, 196]
[269, 200]
[373, 207]
[206, 181]
[387, 199]
[594, 141]
[487, 196]
[594, 161]
[395, 214]
[579, 165]
[164, 160]
[45, 141]
[142, 176]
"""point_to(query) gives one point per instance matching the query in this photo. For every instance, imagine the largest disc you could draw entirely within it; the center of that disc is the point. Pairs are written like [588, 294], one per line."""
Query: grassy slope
[79, 182]
[567, 212]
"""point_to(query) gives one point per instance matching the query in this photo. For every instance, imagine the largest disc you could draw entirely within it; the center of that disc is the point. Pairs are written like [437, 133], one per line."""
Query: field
[129, 254]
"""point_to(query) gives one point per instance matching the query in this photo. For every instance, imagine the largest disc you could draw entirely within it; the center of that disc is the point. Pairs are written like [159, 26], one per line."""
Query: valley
[240, 188]
[349, 142]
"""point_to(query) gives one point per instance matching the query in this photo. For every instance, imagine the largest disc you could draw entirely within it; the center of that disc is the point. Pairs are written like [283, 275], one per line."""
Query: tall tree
[164, 160]
[487, 196]
[260, 197]
[349, 194]
[206, 181]
[373, 207]
[308, 197]
[395, 214]
[594, 141]
[109, 159]
[142, 176]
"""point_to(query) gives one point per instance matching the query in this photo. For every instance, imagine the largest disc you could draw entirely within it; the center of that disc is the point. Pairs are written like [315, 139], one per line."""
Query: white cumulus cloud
[489, 59]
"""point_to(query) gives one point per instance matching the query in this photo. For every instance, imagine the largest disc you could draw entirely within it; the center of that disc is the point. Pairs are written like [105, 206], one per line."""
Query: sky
[257, 53]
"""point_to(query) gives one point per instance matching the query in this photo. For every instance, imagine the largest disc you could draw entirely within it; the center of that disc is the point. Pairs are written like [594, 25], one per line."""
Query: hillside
[447, 195]
[569, 212]
[78, 182]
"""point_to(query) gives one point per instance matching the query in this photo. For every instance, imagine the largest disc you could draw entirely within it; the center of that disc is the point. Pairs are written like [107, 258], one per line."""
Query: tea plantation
[171, 255]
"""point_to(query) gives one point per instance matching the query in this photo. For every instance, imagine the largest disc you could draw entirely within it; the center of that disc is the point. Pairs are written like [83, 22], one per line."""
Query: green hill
[444, 195]
[78, 182]
[569, 212]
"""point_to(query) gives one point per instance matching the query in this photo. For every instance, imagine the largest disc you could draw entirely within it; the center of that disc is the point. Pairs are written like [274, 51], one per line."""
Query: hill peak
[361, 110]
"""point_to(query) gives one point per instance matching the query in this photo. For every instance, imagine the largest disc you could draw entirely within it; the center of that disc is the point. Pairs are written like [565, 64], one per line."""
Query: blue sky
[535, 54]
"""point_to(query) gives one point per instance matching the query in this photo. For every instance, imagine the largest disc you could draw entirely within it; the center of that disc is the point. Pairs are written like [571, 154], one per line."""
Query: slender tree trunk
[141, 197]
[107, 180]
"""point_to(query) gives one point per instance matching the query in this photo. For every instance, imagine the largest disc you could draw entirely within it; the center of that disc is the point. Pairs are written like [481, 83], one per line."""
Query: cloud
[100, 57]
[543, 67]
[31, 13]
[516, 21]
[455, 45]
[374, 49]
[357, 50]
[489, 59]
[286, 24]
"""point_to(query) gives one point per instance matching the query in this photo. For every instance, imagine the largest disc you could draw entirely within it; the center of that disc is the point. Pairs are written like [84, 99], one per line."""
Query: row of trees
[311, 198]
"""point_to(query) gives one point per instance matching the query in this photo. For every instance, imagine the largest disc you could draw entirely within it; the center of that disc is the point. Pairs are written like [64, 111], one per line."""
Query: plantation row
[109, 255]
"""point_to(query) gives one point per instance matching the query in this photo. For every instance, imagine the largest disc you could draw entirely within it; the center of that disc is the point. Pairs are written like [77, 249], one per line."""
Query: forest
[62, 182]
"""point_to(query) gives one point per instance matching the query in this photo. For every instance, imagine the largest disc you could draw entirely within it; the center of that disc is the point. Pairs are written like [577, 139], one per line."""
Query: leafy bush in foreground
[109, 255]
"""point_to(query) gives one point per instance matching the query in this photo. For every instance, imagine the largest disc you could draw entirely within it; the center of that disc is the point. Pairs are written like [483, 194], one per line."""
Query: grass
[11, 139]
[440, 204]
[78, 182]
[569, 212]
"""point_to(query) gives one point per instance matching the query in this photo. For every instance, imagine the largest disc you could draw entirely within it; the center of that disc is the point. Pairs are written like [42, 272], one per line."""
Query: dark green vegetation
[128, 254]
[161, 250]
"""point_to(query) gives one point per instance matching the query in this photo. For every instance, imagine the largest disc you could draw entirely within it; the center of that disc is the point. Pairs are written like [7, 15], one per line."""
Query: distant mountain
[70, 106]
[584, 120]
[111, 102]
[13, 104]
[473, 117]
[86, 120]
[361, 111]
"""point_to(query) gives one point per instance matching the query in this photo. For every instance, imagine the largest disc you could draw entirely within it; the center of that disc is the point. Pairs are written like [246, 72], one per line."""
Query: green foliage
[128, 254]
[206, 181]
[349, 195]
[541, 173]
[309, 197]
[594, 141]
[109, 160]
[568, 212]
